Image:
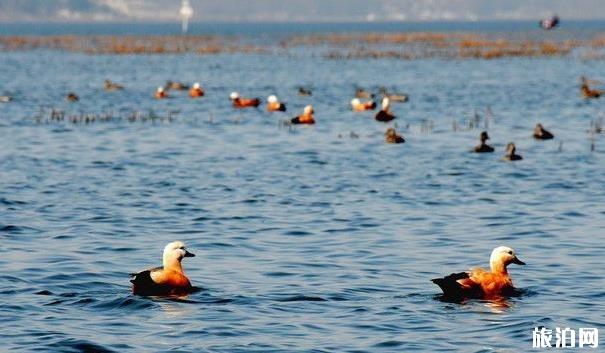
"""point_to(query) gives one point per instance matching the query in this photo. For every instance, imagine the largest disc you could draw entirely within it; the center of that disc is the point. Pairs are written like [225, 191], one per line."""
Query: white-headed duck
[392, 137]
[160, 93]
[540, 133]
[72, 97]
[239, 102]
[196, 91]
[358, 106]
[482, 284]
[168, 279]
[511, 153]
[112, 86]
[274, 105]
[306, 117]
[385, 114]
[483, 146]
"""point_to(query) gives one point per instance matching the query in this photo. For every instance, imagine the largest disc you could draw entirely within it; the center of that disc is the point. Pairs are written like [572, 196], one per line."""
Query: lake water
[308, 239]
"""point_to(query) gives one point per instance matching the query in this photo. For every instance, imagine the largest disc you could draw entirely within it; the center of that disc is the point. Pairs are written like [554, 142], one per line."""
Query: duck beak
[188, 254]
[517, 261]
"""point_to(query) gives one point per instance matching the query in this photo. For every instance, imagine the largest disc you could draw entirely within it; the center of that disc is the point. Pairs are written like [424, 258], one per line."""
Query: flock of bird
[362, 102]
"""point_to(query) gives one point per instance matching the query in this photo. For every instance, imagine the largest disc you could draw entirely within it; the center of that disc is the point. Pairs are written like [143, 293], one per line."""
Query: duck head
[386, 103]
[308, 110]
[484, 136]
[511, 149]
[234, 96]
[272, 99]
[501, 257]
[174, 253]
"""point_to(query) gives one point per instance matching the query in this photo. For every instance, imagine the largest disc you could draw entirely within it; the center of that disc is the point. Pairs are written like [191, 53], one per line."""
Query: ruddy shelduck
[160, 93]
[168, 279]
[196, 91]
[385, 114]
[358, 106]
[108, 85]
[306, 117]
[479, 283]
[239, 102]
[274, 105]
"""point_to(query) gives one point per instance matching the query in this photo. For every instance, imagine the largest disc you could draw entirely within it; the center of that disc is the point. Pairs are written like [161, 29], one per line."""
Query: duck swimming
[160, 93]
[479, 283]
[542, 134]
[196, 91]
[274, 105]
[72, 97]
[483, 147]
[112, 86]
[306, 117]
[588, 92]
[5, 99]
[511, 154]
[177, 86]
[303, 91]
[168, 279]
[385, 114]
[392, 137]
[358, 106]
[395, 97]
[239, 102]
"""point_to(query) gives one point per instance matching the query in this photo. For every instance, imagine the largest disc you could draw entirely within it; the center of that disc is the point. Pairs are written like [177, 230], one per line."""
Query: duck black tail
[452, 290]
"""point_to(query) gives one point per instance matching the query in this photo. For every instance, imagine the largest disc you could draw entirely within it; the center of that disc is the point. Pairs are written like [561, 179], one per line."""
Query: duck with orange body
[274, 105]
[160, 93]
[479, 283]
[385, 114]
[169, 279]
[306, 117]
[196, 91]
[358, 106]
[239, 102]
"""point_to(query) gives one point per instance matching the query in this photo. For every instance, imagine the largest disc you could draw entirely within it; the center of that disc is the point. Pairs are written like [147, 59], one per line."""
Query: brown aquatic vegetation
[404, 46]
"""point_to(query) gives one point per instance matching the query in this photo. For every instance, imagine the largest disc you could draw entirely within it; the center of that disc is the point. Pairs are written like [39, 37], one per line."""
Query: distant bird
[274, 105]
[196, 91]
[483, 147]
[588, 92]
[239, 102]
[160, 93]
[72, 97]
[306, 117]
[303, 91]
[549, 23]
[392, 137]
[176, 86]
[359, 106]
[5, 99]
[385, 114]
[394, 97]
[542, 134]
[169, 279]
[511, 153]
[363, 94]
[479, 283]
[112, 86]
